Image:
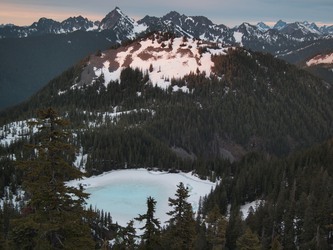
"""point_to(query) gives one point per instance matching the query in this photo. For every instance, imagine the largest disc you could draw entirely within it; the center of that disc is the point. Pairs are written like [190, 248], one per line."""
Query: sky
[228, 12]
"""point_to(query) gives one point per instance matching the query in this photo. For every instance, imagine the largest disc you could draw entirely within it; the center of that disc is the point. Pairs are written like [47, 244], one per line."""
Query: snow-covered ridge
[321, 59]
[161, 59]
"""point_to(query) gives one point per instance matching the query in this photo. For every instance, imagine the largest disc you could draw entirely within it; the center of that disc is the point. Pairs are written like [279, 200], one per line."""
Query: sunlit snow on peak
[161, 60]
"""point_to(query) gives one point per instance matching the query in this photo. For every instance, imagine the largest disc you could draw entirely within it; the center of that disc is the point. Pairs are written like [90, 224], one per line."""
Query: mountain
[48, 26]
[326, 29]
[168, 102]
[157, 83]
[279, 25]
[78, 23]
[293, 42]
[262, 26]
[300, 30]
[122, 25]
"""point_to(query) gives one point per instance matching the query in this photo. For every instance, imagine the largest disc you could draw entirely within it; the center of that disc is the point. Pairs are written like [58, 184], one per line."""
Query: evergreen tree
[234, 228]
[181, 232]
[152, 226]
[276, 244]
[216, 228]
[248, 241]
[54, 216]
[126, 237]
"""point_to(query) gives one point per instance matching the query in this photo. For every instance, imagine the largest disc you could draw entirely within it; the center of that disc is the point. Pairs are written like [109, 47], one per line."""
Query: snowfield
[238, 37]
[15, 131]
[124, 193]
[161, 61]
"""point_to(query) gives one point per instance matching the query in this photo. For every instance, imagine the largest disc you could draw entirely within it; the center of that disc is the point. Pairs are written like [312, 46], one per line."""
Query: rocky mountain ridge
[192, 25]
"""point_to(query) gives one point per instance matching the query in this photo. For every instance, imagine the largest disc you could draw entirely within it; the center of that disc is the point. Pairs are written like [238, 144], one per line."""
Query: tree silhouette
[152, 226]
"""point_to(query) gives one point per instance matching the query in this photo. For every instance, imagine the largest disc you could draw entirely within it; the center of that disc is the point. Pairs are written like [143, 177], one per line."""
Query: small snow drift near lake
[124, 193]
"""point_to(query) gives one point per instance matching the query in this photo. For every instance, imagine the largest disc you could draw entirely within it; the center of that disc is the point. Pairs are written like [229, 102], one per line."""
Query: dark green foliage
[150, 237]
[248, 241]
[216, 228]
[235, 228]
[297, 193]
[181, 231]
[54, 216]
[126, 237]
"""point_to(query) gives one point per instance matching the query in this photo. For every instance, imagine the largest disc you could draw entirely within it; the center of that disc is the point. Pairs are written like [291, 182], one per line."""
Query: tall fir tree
[54, 216]
[216, 228]
[248, 241]
[181, 232]
[126, 237]
[150, 237]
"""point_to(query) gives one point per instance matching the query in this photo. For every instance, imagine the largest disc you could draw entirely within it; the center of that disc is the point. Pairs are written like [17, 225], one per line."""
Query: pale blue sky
[228, 12]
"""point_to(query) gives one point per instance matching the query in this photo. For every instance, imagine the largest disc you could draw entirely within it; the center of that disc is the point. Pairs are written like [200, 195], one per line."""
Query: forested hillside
[253, 122]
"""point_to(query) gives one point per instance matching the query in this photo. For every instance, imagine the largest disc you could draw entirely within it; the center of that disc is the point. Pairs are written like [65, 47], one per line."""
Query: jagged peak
[172, 14]
[44, 19]
[111, 19]
[279, 24]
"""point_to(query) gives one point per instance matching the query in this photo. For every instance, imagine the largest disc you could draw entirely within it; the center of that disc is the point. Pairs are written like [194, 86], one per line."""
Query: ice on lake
[124, 193]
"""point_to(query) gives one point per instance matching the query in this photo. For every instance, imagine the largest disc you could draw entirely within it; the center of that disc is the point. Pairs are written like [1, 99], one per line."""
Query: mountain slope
[243, 102]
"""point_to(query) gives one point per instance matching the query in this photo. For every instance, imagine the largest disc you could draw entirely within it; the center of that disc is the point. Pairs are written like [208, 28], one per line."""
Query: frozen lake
[124, 193]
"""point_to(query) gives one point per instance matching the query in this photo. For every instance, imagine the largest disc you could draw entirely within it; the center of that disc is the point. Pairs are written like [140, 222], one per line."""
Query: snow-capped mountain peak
[263, 27]
[280, 25]
[78, 23]
[113, 18]
[300, 29]
[124, 26]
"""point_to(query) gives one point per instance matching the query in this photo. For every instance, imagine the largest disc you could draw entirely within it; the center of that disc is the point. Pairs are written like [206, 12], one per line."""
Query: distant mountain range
[49, 47]
[195, 25]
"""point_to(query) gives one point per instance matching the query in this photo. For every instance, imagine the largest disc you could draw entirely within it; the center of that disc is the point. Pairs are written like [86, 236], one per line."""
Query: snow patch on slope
[238, 37]
[166, 60]
[321, 59]
[15, 131]
[245, 208]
